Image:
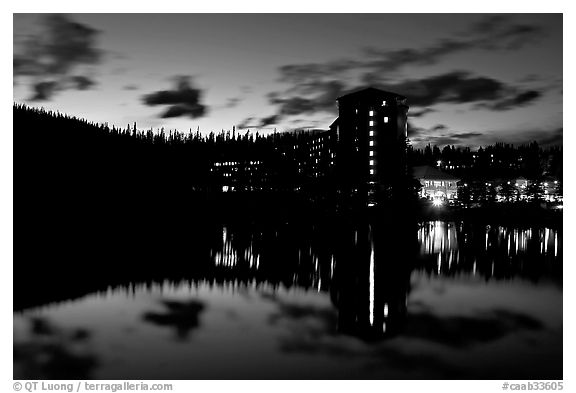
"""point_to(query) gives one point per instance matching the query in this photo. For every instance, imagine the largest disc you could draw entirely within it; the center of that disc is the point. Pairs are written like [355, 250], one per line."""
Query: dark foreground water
[440, 300]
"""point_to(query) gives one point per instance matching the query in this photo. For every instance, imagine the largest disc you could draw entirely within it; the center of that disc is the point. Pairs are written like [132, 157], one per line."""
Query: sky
[470, 79]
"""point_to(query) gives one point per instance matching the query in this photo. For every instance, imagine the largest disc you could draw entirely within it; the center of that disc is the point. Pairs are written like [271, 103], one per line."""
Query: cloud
[439, 127]
[491, 33]
[233, 102]
[461, 87]
[497, 32]
[183, 100]
[43, 91]
[246, 123]
[49, 59]
[313, 87]
[440, 135]
[554, 138]
[82, 82]
[420, 113]
[252, 122]
[308, 98]
[544, 137]
[520, 99]
[131, 87]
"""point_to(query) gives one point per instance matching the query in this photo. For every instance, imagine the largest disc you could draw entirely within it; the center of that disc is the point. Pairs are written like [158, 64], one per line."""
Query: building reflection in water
[366, 268]
[372, 280]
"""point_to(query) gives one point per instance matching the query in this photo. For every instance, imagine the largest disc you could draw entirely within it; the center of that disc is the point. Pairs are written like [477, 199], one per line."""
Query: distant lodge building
[361, 159]
[435, 183]
[362, 156]
[295, 162]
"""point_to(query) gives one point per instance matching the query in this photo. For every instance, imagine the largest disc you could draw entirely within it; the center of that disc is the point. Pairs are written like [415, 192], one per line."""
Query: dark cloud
[492, 33]
[233, 102]
[246, 123]
[48, 59]
[306, 98]
[313, 87]
[43, 91]
[520, 99]
[544, 137]
[253, 122]
[439, 127]
[554, 138]
[461, 87]
[453, 87]
[421, 112]
[438, 135]
[183, 100]
[465, 135]
[497, 32]
[82, 82]
[453, 139]
[270, 120]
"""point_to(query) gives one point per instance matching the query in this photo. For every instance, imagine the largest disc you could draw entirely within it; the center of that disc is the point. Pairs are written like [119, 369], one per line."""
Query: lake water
[440, 300]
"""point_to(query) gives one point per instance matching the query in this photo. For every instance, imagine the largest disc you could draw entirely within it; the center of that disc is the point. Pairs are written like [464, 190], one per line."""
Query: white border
[258, 6]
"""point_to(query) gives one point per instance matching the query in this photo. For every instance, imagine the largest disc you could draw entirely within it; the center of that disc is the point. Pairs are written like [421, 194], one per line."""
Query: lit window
[371, 171]
[371, 122]
[371, 162]
[385, 119]
[371, 133]
[383, 103]
[356, 110]
[371, 113]
[371, 153]
[371, 143]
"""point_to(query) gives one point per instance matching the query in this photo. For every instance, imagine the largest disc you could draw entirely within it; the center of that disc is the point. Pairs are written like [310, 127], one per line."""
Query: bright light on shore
[437, 202]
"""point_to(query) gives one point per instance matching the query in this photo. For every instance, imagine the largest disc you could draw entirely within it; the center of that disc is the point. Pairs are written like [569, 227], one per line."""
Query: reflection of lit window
[371, 153]
[371, 143]
[371, 133]
[383, 103]
[371, 162]
[385, 119]
[371, 122]
[371, 113]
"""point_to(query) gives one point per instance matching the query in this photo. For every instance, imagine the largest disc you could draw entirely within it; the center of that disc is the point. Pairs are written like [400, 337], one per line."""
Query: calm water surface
[442, 300]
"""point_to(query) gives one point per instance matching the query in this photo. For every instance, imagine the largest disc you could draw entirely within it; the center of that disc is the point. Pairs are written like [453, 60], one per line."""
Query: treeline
[495, 161]
[46, 134]
[86, 191]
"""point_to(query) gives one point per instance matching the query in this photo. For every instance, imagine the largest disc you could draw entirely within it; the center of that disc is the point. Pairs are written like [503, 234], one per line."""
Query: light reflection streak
[371, 280]
[445, 249]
